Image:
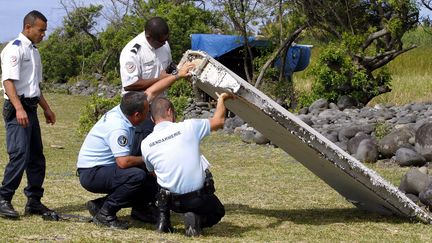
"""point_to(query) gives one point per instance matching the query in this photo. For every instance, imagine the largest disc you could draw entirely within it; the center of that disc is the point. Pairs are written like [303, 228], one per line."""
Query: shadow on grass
[73, 213]
[71, 208]
[314, 216]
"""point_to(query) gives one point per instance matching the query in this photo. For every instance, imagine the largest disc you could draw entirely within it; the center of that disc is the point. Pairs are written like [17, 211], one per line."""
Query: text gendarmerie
[164, 139]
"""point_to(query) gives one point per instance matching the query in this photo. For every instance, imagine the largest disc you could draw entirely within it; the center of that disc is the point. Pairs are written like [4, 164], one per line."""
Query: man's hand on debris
[224, 96]
[184, 70]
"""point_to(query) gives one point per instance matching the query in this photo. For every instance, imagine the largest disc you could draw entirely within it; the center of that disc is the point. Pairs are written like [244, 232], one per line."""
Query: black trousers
[142, 130]
[130, 187]
[207, 206]
[25, 149]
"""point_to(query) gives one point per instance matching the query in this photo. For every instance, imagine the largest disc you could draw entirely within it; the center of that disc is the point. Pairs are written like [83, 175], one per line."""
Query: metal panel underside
[360, 185]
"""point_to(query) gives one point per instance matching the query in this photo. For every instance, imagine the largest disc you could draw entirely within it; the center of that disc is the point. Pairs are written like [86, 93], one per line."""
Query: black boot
[163, 224]
[93, 206]
[35, 206]
[104, 218]
[7, 210]
[192, 224]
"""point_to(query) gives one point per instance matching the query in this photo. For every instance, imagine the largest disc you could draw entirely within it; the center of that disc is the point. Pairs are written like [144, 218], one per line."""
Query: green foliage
[185, 19]
[381, 130]
[93, 111]
[305, 99]
[63, 57]
[180, 103]
[181, 87]
[179, 94]
[337, 74]
[82, 19]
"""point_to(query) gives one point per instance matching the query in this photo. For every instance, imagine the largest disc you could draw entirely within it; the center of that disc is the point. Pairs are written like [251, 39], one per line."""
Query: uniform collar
[123, 116]
[147, 43]
[24, 40]
[162, 125]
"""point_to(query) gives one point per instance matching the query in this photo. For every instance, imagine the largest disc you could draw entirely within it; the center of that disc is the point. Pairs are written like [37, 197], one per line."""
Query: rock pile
[403, 135]
[417, 185]
[84, 87]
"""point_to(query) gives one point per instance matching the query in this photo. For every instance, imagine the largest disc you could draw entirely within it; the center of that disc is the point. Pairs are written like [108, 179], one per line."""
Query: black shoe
[145, 214]
[34, 206]
[93, 206]
[192, 224]
[111, 221]
[7, 210]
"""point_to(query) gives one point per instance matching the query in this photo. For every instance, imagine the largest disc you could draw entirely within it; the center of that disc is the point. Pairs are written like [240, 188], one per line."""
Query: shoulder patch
[130, 67]
[17, 43]
[13, 61]
[135, 48]
[122, 140]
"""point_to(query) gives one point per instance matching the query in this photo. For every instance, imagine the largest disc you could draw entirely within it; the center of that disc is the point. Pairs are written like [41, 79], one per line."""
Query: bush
[336, 74]
[179, 94]
[93, 111]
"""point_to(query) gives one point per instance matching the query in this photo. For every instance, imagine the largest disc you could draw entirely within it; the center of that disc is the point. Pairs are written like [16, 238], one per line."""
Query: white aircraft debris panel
[360, 185]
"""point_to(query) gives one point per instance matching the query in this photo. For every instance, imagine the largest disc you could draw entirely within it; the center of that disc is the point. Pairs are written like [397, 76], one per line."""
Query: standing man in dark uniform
[21, 77]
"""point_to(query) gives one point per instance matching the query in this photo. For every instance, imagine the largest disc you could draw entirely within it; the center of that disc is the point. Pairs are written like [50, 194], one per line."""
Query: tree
[368, 33]
[82, 19]
[427, 4]
[73, 49]
[279, 26]
[243, 15]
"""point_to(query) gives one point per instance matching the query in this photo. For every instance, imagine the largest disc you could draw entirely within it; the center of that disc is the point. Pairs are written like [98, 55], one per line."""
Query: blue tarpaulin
[217, 45]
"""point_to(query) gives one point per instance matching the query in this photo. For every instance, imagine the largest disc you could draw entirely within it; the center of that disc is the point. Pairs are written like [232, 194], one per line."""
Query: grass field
[268, 197]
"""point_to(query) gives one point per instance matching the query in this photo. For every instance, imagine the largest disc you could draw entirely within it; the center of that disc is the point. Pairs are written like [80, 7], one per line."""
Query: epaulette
[17, 43]
[135, 48]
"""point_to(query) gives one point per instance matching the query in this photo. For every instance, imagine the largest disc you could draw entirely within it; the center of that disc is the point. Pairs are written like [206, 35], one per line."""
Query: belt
[29, 103]
[32, 101]
[188, 196]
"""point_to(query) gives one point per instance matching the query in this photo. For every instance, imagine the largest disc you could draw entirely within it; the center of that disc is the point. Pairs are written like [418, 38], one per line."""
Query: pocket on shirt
[148, 69]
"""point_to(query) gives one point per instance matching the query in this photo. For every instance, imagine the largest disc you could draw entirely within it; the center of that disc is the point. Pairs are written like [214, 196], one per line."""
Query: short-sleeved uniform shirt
[172, 151]
[139, 60]
[109, 138]
[21, 62]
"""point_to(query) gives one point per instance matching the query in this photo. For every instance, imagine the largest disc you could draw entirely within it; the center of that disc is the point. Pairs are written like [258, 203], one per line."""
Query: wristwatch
[175, 73]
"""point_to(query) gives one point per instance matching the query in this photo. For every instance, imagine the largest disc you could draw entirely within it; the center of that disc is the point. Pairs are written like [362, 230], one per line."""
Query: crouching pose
[106, 165]
[172, 152]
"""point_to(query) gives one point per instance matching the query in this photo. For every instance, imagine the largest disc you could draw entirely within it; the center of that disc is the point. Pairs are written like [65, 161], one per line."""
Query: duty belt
[188, 196]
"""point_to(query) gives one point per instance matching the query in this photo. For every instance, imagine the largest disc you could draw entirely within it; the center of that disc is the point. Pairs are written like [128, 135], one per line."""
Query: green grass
[412, 78]
[268, 197]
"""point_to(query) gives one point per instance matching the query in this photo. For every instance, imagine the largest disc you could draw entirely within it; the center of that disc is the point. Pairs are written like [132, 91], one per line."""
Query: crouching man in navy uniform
[21, 77]
[172, 152]
[105, 164]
